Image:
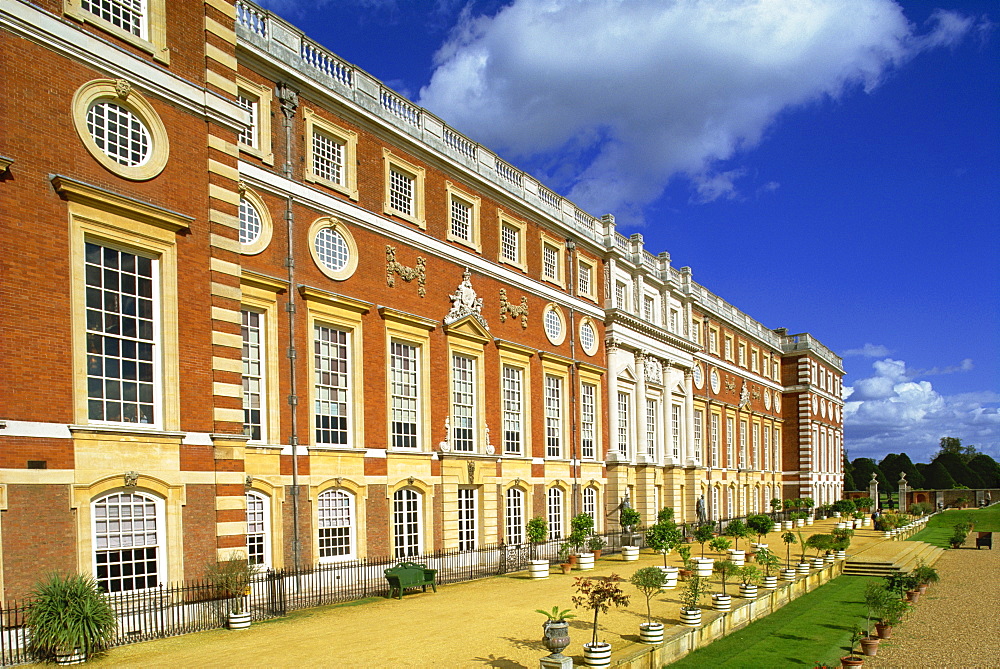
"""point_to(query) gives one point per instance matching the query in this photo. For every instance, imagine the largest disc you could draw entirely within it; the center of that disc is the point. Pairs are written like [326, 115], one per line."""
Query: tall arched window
[514, 518]
[555, 513]
[128, 541]
[406, 522]
[590, 504]
[258, 529]
[335, 509]
[714, 511]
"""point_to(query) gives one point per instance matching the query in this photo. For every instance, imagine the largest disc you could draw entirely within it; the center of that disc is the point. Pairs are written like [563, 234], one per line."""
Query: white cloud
[868, 351]
[890, 412]
[639, 91]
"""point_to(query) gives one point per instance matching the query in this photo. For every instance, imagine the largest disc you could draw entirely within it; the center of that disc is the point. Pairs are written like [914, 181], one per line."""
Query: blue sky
[828, 166]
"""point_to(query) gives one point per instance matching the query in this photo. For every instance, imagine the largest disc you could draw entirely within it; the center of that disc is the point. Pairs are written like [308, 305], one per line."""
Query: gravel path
[956, 623]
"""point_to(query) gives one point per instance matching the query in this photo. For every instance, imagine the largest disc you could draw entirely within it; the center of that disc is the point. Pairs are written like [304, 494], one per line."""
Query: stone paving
[486, 623]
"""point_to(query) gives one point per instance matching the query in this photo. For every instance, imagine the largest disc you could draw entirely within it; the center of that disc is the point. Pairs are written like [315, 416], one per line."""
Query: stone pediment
[469, 327]
[627, 374]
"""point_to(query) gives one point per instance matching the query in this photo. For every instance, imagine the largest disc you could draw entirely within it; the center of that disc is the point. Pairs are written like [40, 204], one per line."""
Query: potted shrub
[555, 630]
[703, 565]
[537, 530]
[788, 574]
[775, 506]
[799, 517]
[960, 534]
[852, 659]
[684, 551]
[581, 526]
[231, 578]
[563, 557]
[629, 519]
[598, 594]
[664, 535]
[890, 614]
[843, 507]
[736, 529]
[720, 544]
[820, 543]
[694, 589]
[70, 619]
[808, 504]
[649, 581]
[725, 569]
[596, 544]
[876, 597]
[925, 575]
[750, 578]
[803, 566]
[760, 525]
[770, 563]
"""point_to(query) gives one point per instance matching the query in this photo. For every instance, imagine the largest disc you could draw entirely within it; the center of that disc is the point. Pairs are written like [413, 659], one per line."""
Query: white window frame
[158, 545]
[512, 398]
[588, 421]
[652, 409]
[554, 413]
[586, 279]
[347, 184]
[393, 163]
[334, 522]
[471, 203]
[514, 523]
[258, 529]
[589, 504]
[407, 523]
[153, 35]
[518, 229]
[699, 433]
[468, 515]
[558, 249]
[675, 430]
[347, 389]
[714, 437]
[555, 512]
[250, 362]
[260, 96]
[623, 408]
[744, 456]
[464, 410]
[755, 444]
[730, 442]
[404, 395]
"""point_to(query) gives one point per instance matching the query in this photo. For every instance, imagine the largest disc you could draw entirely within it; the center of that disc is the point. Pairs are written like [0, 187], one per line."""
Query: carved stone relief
[515, 311]
[393, 268]
[465, 302]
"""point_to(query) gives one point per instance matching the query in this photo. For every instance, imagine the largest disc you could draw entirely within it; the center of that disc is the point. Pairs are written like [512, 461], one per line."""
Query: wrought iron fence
[195, 606]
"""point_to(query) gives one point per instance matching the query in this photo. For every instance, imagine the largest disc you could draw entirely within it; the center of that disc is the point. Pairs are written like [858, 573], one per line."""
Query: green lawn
[815, 628]
[941, 525]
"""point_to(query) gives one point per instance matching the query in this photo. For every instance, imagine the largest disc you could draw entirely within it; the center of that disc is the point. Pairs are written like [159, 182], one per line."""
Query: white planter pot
[597, 654]
[651, 632]
[866, 522]
[690, 617]
[738, 558]
[703, 566]
[800, 522]
[538, 568]
[585, 561]
[817, 563]
[788, 574]
[841, 526]
[77, 656]
[829, 558]
[671, 578]
[630, 553]
[786, 524]
[802, 568]
[809, 521]
[759, 546]
[770, 582]
[748, 591]
[841, 555]
[239, 621]
[836, 514]
[722, 602]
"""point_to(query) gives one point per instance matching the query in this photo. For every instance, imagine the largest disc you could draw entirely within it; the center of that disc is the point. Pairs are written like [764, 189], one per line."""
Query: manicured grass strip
[815, 628]
[941, 525]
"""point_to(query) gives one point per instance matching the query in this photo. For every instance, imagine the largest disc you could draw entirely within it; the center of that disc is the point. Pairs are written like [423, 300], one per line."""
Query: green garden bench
[409, 575]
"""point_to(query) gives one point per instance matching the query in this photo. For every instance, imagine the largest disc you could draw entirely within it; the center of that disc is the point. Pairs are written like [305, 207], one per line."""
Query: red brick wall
[39, 536]
[199, 530]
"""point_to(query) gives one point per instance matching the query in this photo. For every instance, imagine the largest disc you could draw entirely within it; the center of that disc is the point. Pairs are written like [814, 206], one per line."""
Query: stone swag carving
[394, 268]
[514, 310]
[654, 370]
[465, 302]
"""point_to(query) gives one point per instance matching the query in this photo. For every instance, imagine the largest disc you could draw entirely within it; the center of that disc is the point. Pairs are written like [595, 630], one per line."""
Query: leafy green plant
[720, 544]
[556, 614]
[736, 529]
[767, 560]
[702, 534]
[802, 546]
[808, 502]
[844, 506]
[925, 574]
[892, 611]
[876, 597]
[69, 614]
[581, 525]
[599, 594]
[749, 574]
[775, 505]
[664, 535]
[537, 530]
[685, 552]
[648, 580]
[863, 502]
[232, 578]
[693, 591]
[820, 543]
[789, 539]
[596, 543]
[629, 518]
[842, 535]
[563, 553]
[857, 634]
[760, 525]
[725, 569]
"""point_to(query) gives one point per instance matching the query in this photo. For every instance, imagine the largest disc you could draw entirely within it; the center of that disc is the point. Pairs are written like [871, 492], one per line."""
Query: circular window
[699, 377]
[119, 133]
[255, 222]
[332, 248]
[554, 324]
[713, 378]
[588, 336]
[250, 225]
[121, 129]
[767, 399]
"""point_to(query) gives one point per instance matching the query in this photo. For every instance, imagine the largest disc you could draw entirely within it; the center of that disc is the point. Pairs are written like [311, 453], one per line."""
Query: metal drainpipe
[574, 459]
[289, 103]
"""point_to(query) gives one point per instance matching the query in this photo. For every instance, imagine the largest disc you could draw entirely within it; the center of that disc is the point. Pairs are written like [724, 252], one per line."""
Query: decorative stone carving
[490, 450]
[289, 99]
[611, 344]
[241, 186]
[122, 88]
[654, 370]
[131, 479]
[471, 466]
[393, 268]
[744, 395]
[248, 482]
[730, 383]
[445, 445]
[514, 310]
[465, 302]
